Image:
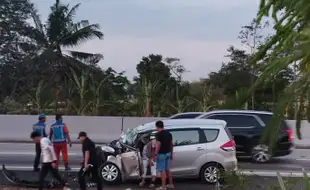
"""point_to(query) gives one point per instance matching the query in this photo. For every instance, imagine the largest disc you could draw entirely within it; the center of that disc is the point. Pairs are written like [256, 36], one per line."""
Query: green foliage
[43, 77]
[287, 48]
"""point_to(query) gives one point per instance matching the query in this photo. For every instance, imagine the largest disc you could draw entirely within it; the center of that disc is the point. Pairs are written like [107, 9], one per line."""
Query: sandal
[141, 184]
[152, 186]
[161, 188]
[170, 186]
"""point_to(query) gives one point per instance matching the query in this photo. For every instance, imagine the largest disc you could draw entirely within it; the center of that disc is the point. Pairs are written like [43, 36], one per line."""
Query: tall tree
[61, 31]
[251, 36]
[152, 79]
[15, 31]
[15, 45]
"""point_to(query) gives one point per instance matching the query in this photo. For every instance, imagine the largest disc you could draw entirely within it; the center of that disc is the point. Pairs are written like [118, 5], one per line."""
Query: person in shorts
[163, 154]
[148, 153]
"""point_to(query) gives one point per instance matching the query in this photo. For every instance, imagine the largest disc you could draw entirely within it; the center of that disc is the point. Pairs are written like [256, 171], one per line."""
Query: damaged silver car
[202, 148]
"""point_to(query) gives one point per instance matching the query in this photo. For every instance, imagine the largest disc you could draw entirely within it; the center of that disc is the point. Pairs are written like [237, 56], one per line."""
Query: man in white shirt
[48, 160]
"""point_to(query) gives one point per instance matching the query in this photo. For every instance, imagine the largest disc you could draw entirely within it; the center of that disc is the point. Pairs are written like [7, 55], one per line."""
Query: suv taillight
[290, 134]
[229, 146]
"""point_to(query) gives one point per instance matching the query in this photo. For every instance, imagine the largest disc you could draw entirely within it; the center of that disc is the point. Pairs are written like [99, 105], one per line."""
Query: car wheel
[261, 154]
[210, 173]
[110, 173]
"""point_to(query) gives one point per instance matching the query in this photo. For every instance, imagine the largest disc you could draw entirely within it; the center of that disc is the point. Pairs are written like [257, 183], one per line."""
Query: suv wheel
[260, 153]
[110, 173]
[210, 173]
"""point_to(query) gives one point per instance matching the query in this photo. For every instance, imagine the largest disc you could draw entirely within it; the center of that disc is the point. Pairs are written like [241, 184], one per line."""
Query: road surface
[252, 183]
[20, 156]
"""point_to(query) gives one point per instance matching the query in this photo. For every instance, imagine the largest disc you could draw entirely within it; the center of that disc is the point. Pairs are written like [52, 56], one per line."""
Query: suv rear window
[186, 116]
[228, 133]
[211, 134]
[267, 118]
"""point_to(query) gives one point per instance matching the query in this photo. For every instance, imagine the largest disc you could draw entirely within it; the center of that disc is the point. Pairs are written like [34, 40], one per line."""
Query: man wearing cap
[90, 162]
[39, 127]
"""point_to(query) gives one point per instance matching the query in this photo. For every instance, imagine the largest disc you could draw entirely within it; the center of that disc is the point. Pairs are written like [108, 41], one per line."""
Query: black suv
[247, 126]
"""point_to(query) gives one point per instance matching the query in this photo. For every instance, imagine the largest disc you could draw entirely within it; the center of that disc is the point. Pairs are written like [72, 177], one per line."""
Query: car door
[187, 149]
[242, 127]
[131, 163]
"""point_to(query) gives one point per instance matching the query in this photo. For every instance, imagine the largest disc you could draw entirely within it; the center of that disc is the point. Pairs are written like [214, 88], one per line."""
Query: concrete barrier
[101, 129]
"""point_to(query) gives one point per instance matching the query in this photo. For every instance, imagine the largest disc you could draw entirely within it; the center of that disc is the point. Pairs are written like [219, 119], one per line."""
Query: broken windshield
[129, 136]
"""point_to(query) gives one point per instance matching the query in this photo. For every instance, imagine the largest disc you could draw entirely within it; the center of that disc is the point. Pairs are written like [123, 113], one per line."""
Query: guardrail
[17, 128]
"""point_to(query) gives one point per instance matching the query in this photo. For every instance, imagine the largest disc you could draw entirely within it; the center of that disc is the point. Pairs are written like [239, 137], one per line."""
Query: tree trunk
[147, 109]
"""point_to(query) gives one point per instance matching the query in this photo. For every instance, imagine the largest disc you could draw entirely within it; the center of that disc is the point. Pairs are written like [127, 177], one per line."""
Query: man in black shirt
[90, 163]
[164, 154]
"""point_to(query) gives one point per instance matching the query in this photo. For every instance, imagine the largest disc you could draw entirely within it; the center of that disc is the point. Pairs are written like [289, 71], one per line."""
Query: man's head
[42, 118]
[82, 136]
[35, 136]
[159, 125]
[58, 117]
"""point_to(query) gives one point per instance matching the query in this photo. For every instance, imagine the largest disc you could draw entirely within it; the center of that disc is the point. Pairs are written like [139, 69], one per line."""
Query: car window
[185, 116]
[266, 118]
[236, 121]
[211, 134]
[185, 137]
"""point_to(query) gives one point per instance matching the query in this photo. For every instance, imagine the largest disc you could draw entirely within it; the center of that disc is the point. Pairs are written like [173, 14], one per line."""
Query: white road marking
[303, 159]
[266, 173]
[32, 153]
[29, 168]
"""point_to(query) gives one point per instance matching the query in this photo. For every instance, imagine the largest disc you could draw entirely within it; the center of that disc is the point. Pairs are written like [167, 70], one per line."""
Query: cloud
[122, 53]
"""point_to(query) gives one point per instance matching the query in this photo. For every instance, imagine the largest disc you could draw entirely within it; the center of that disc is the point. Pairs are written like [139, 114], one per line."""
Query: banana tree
[82, 87]
[145, 90]
[182, 102]
[96, 89]
[204, 103]
[59, 32]
[69, 90]
[36, 97]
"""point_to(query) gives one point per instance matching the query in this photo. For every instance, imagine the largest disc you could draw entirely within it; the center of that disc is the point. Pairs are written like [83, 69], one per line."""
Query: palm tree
[61, 31]
[288, 46]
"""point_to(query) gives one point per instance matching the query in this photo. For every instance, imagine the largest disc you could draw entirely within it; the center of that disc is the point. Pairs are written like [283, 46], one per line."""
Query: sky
[198, 32]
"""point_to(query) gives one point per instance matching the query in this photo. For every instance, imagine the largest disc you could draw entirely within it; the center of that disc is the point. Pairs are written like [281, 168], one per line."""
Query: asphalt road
[251, 183]
[20, 157]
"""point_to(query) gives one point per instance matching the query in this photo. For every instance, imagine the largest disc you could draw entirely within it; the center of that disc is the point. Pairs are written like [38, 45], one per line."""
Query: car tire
[260, 153]
[210, 173]
[109, 173]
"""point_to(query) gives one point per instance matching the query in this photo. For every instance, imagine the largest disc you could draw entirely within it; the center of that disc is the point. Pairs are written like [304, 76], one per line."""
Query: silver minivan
[202, 148]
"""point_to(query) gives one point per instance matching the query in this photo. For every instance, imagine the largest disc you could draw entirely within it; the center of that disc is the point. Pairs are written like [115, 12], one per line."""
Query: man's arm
[171, 149]
[44, 131]
[86, 159]
[157, 146]
[66, 130]
[51, 133]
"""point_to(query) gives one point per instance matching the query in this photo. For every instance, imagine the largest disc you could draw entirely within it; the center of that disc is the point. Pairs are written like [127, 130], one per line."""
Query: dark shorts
[163, 162]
